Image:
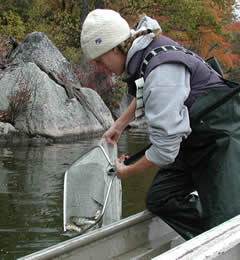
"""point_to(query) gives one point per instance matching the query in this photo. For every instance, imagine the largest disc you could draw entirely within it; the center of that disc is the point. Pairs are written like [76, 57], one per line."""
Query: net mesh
[86, 183]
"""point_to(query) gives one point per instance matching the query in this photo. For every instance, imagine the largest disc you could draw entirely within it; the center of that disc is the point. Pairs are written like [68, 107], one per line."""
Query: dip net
[86, 183]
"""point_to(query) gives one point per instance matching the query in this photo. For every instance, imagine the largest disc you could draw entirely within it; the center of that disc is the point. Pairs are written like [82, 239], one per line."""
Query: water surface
[31, 192]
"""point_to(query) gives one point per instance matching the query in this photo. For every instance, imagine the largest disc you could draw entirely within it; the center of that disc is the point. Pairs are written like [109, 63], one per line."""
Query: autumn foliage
[102, 81]
[209, 28]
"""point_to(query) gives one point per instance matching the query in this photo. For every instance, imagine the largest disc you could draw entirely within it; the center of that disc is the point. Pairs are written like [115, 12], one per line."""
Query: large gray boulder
[58, 105]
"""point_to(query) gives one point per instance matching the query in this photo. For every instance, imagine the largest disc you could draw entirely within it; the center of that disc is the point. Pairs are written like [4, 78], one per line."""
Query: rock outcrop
[58, 105]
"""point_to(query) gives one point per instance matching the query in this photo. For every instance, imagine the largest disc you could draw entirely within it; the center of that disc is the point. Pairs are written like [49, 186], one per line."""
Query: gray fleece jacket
[165, 90]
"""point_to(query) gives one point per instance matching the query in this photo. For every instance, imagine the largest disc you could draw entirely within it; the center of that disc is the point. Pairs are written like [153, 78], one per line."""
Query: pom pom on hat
[103, 30]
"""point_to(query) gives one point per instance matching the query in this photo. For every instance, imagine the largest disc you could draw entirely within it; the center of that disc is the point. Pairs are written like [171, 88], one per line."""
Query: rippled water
[31, 192]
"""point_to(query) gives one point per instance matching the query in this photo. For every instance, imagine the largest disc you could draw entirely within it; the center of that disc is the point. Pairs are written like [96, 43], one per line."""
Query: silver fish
[72, 227]
[81, 221]
[98, 213]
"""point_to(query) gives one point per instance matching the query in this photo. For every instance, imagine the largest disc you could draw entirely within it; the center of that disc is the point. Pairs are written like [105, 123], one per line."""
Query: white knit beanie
[103, 30]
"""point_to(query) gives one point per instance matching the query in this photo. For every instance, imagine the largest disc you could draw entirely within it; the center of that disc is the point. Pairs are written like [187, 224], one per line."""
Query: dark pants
[209, 163]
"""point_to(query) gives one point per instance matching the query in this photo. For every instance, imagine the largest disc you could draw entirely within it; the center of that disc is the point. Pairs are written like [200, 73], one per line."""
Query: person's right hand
[112, 135]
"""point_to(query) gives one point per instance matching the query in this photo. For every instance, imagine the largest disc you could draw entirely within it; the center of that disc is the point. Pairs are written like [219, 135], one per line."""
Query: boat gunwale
[208, 245]
[90, 237]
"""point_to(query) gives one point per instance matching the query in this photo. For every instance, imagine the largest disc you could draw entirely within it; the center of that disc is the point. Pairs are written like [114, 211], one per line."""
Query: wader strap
[217, 104]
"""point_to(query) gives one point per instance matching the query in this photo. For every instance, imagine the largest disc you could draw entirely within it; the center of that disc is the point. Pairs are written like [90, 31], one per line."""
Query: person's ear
[116, 50]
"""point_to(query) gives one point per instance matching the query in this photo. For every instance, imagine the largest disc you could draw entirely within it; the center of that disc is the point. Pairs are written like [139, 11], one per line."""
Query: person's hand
[112, 135]
[121, 168]
[142, 165]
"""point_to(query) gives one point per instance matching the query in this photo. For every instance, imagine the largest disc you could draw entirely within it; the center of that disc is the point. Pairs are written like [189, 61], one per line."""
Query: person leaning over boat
[191, 155]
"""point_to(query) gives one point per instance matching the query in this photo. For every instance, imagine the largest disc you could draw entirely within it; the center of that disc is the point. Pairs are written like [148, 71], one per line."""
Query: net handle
[136, 156]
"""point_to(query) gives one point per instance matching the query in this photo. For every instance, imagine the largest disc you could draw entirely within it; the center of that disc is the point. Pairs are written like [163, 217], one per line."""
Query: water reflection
[31, 191]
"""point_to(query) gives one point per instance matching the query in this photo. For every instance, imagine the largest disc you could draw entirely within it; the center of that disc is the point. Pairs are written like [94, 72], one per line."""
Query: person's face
[113, 61]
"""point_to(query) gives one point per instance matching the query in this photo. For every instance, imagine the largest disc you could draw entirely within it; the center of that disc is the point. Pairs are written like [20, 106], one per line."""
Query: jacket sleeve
[165, 90]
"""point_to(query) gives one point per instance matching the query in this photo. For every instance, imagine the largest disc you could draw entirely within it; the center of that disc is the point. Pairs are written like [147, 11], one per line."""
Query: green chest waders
[208, 162]
[212, 153]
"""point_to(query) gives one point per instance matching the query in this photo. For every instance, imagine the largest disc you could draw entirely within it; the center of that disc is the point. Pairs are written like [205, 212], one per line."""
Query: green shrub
[12, 25]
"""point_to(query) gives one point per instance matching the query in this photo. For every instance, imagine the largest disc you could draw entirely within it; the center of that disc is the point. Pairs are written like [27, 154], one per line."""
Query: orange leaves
[212, 44]
[235, 27]
[205, 27]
